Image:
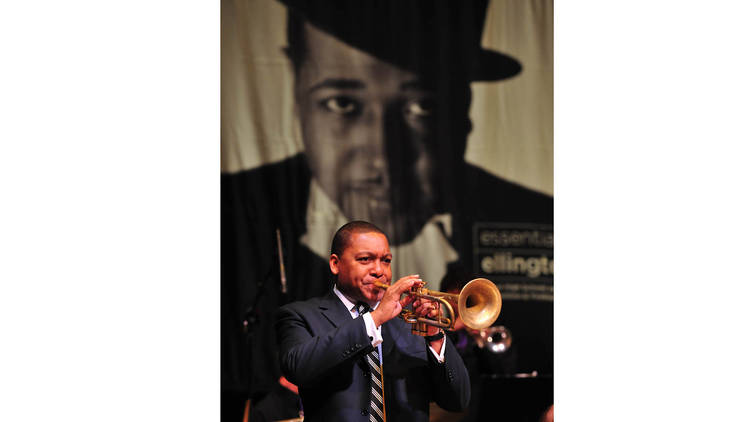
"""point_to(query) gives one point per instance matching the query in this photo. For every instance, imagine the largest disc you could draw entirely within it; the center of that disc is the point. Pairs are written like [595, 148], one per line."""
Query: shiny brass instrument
[479, 304]
[497, 339]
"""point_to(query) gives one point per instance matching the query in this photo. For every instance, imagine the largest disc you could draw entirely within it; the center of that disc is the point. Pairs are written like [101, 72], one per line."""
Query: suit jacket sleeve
[450, 379]
[311, 347]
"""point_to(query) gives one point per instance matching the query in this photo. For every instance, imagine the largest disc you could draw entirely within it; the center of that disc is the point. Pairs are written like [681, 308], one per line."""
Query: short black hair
[344, 234]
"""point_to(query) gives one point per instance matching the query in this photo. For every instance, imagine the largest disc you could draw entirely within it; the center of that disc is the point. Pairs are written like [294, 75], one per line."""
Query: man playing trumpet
[351, 358]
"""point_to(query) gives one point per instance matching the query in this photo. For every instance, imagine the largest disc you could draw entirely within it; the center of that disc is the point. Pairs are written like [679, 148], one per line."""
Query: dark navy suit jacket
[322, 348]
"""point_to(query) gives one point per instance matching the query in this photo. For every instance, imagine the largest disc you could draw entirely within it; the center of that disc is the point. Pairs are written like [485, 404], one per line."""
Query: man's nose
[396, 142]
[377, 269]
[377, 127]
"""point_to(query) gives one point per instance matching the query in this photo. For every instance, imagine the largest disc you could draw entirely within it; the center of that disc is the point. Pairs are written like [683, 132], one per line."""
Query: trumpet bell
[496, 339]
[479, 303]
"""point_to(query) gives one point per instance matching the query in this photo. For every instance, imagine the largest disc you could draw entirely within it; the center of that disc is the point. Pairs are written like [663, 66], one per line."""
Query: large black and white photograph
[430, 120]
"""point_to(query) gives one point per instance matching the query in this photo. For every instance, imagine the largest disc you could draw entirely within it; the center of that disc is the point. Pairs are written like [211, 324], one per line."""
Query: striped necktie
[377, 408]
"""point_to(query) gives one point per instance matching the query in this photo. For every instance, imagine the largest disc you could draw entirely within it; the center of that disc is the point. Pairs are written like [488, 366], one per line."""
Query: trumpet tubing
[479, 304]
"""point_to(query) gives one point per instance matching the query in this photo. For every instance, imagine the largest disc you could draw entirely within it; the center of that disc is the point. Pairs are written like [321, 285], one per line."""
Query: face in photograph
[368, 129]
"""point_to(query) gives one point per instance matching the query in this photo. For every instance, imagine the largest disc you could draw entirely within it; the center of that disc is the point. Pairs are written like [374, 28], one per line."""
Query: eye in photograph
[342, 105]
[420, 108]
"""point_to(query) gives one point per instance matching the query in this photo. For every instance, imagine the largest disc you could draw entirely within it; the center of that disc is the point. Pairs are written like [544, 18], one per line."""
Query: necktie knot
[362, 307]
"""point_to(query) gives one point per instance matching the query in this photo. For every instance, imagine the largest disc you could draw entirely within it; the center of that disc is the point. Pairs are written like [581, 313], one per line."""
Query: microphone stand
[253, 317]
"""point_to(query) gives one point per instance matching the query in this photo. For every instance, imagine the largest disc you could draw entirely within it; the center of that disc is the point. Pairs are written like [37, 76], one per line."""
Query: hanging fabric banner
[430, 119]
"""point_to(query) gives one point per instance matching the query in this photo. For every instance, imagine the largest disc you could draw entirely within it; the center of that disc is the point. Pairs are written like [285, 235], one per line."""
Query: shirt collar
[350, 305]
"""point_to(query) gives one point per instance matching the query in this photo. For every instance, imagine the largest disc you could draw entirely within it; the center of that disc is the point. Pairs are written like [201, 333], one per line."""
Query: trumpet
[479, 304]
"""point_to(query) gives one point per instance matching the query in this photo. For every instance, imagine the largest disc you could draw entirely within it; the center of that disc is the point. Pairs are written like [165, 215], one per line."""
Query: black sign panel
[516, 256]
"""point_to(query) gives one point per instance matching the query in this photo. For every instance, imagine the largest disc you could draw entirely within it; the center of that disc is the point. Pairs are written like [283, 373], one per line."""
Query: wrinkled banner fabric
[435, 125]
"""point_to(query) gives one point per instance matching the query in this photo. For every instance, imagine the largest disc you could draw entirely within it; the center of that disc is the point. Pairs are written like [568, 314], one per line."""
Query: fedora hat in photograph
[424, 36]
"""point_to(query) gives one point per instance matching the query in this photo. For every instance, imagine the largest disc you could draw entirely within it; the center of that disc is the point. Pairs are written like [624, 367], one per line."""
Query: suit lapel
[393, 331]
[390, 335]
[333, 309]
[397, 334]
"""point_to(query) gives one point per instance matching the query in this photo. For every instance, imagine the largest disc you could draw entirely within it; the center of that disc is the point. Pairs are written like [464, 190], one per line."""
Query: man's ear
[333, 264]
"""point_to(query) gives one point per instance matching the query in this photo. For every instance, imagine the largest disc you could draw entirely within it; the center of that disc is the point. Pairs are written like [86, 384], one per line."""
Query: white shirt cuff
[439, 356]
[372, 330]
